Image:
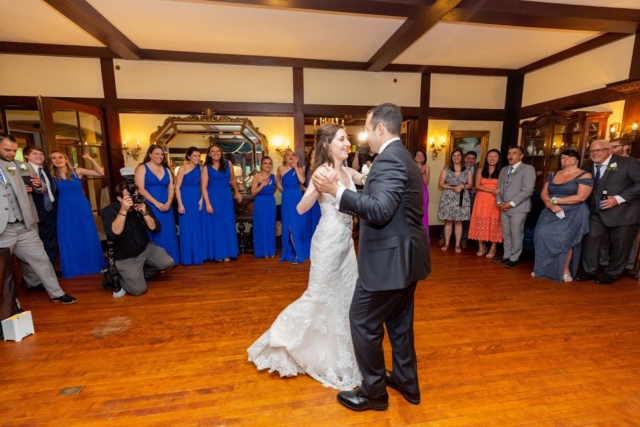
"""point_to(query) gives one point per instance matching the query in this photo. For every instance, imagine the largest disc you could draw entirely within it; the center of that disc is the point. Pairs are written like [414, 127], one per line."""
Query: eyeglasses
[599, 150]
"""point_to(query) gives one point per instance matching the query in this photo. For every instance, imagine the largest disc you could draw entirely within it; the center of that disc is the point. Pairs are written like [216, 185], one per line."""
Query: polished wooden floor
[495, 348]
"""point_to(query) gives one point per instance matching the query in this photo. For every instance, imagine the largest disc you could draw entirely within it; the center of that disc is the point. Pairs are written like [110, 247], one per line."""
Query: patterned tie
[4, 181]
[596, 179]
[47, 199]
[510, 170]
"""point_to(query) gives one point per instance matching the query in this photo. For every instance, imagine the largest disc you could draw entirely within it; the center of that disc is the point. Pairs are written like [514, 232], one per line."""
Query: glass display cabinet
[554, 131]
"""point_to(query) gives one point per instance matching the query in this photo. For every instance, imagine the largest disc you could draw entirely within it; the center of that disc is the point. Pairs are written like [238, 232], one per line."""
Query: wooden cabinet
[545, 137]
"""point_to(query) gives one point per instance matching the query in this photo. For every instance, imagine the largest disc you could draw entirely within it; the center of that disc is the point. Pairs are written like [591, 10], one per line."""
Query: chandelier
[327, 121]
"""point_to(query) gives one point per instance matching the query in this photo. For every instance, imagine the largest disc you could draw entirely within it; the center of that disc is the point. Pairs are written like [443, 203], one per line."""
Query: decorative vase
[541, 153]
[531, 149]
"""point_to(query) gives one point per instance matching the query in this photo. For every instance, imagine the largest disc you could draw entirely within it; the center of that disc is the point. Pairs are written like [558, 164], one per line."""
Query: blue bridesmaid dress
[264, 221]
[167, 238]
[219, 230]
[295, 247]
[80, 250]
[190, 222]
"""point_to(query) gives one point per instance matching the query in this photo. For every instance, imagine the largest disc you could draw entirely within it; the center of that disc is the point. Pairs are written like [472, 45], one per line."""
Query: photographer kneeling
[126, 224]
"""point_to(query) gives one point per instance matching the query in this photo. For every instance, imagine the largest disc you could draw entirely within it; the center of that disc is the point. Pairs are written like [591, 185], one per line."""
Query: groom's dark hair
[390, 115]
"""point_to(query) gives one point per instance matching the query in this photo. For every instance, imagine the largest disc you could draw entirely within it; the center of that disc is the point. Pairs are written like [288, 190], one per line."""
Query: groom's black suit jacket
[393, 246]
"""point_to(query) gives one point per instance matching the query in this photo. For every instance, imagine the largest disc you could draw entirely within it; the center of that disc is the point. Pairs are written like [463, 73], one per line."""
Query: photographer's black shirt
[134, 238]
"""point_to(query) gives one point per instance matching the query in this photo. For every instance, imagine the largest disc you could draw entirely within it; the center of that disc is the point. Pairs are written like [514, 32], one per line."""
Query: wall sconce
[634, 130]
[436, 149]
[613, 130]
[133, 152]
[279, 148]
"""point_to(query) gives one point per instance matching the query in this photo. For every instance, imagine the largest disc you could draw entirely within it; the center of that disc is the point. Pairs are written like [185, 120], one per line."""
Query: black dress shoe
[357, 401]
[585, 277]
[65, 299]
[413, 398]
[632, 274]
[511, 264]
[497, 260]
[605, 279]
[38, 287]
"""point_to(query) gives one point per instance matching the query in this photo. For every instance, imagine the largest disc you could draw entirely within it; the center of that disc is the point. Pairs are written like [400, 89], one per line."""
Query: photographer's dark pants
[133, 270]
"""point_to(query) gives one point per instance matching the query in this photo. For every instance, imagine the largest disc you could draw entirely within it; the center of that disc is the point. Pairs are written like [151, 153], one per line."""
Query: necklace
[569, 173]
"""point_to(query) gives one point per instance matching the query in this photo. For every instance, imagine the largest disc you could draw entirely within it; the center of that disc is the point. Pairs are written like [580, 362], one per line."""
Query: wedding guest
[421, 160]
[564, 222]
[485, 216]
[264, 210]
[295, 248]
[617, 216]
[516, 184]
[219, 223]
[455, 204]
[189, 197]
[155, 182]
[80, 249]
[470, 164]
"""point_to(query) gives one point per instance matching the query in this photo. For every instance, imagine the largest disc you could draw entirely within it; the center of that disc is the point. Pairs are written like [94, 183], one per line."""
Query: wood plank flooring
[495, 348]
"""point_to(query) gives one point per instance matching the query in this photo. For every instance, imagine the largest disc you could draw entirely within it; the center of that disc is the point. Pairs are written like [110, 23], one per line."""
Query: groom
[393, 255]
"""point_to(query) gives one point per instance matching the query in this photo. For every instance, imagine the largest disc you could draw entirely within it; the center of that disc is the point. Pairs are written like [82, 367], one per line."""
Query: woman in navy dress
[295, 247]
[219, 222]
[561, 226]
[264, 211]
[155, 182]
[80, 250]
[189, 196]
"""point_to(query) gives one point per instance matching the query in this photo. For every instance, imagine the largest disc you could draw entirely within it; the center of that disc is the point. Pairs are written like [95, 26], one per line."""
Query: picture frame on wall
[469, 140]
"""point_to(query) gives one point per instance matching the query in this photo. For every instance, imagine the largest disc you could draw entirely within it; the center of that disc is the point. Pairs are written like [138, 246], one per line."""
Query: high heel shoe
[567, 278]
[481, 249]
[445, 247]
[458, 250]
[492, 253]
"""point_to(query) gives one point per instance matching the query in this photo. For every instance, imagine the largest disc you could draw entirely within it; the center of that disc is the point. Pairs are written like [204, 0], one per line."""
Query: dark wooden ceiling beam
[400, 8]
[409, 32]
[56, 50]
[444, 69]
[90, 20]
[546, 15]
[594, 43]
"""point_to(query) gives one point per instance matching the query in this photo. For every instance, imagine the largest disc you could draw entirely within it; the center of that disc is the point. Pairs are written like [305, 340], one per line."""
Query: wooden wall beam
[298, 114]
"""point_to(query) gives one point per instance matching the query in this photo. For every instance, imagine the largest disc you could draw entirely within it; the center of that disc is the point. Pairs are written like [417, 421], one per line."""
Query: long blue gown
[264, 221]
[295, 247]
[190, 221]
[554, 237]
[80, 250]
[220, 239]
[159, 190]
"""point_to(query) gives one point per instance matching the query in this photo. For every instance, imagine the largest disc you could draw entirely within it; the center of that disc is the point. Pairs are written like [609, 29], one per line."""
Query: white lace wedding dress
[312, 336]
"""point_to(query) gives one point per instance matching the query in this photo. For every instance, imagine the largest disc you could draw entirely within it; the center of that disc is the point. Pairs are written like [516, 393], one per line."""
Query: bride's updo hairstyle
[320, 155]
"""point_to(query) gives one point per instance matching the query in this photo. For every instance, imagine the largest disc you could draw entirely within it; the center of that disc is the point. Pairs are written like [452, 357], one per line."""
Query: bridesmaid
[80, 250]
[189, 196]
[155, 182]
[219, 222]
[421, 160]
[295, 248]
[264, 211]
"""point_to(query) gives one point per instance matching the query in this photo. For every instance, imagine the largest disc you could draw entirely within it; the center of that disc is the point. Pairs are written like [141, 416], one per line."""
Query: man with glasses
[619, 147]
[617, 216]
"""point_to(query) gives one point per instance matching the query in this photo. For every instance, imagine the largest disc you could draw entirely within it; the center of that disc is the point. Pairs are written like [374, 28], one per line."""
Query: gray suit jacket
[393, 248]
[518, 188]
[623, 182]
[27, 206]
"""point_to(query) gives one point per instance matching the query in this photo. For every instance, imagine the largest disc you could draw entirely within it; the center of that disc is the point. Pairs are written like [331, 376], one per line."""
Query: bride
[312, 335]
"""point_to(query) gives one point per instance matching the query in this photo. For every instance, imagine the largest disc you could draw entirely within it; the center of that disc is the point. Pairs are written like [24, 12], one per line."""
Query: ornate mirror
[241, 142]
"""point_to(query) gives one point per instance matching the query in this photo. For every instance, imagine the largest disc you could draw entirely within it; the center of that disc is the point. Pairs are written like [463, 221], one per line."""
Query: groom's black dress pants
[369, 311]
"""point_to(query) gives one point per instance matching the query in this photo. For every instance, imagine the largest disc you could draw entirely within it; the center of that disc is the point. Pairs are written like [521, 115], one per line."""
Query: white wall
[27, 75]
[203, 82]
[582, 73]
[361, 88]
[454, 91]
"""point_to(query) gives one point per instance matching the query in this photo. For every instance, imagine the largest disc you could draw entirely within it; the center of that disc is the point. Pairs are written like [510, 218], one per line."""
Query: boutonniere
[612, 167]
[11, 170]
[23, 167]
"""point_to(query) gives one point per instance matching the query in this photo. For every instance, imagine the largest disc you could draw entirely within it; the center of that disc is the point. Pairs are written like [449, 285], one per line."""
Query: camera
[110, 275]
[132, 188]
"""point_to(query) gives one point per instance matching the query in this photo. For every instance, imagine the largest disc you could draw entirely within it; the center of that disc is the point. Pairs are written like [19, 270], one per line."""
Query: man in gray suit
[516, 184]
[393, 255]
[18, 221]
